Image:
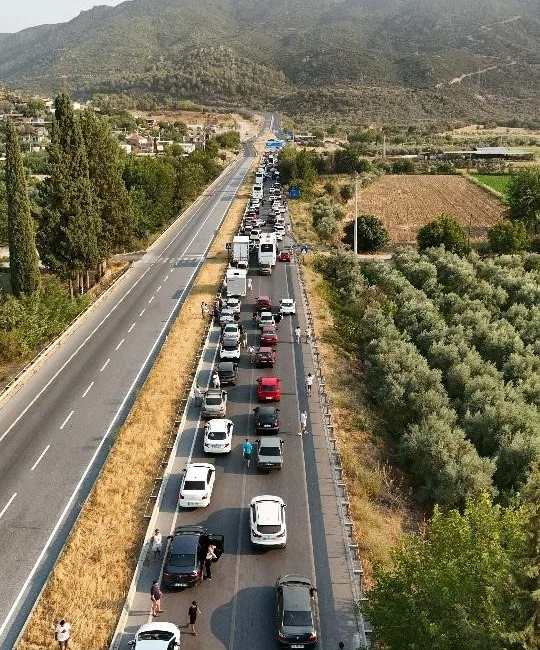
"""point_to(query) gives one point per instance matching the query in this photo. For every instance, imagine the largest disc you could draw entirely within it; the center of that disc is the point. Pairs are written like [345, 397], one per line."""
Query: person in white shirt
[250, 284]
[210, 557]
[303, 422]
[216, 383]
[62, 633]
[309, 383]
[157, 543]
[298, 333]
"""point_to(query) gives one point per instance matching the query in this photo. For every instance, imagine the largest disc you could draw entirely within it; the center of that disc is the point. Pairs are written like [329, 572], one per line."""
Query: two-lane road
[56, 430]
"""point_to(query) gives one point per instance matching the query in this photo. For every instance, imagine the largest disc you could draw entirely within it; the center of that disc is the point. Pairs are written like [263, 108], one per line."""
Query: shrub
[346, 192]
[508, 237]
[371, 234]
[444, 231]
[329, 188]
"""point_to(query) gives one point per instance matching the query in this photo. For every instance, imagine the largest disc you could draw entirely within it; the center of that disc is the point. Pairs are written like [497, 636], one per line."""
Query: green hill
[450, 58]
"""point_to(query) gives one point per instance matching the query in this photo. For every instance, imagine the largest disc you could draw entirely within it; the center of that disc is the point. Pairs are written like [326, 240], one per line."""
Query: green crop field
[498, 182]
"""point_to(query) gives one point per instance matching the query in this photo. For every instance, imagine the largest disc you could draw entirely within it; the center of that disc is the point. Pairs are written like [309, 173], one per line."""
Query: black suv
[266, 419]
[228, 373]
[186, 553]
[296, 612]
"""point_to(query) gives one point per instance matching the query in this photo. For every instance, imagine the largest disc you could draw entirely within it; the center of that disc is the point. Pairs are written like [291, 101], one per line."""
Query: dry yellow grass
[90, 581]
[378, 507]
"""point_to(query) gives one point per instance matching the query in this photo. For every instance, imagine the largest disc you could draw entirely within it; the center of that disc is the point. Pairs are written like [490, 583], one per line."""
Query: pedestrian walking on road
[192, 613]
[198, 395]
[62, 634]
[250, 284]
[157, 543]
[215, 380]
[303, 422]
[251, 352]
[155, 598]
[309, 383]
[298, 333]
[244, 340]
[308, 334]
[210, 557]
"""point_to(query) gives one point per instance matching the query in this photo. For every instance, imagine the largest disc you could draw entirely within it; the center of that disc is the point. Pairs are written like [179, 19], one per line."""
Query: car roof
[268, 508]
[265, 298]
[297, 597]
[231, 326]
[214, 391]
[218, 424]
[269, 441]
[225, 365]
[185, 543]
[287, 300]
[266, 313]
[266, 408]
[266, 350]
[269, 381]
[269, 328]
[198, 471]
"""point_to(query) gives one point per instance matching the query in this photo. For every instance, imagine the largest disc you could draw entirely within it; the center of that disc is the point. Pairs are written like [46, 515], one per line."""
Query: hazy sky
[19, 14]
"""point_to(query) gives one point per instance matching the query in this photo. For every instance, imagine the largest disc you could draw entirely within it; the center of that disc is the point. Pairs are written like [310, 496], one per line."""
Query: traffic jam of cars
[253, 250]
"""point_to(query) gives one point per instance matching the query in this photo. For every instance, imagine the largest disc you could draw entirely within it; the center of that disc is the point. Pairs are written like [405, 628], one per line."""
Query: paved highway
[237, 604]
[56, 430]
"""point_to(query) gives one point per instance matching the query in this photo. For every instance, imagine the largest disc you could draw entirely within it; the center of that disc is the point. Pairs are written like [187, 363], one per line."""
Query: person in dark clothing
[192, 613]
[210, 557]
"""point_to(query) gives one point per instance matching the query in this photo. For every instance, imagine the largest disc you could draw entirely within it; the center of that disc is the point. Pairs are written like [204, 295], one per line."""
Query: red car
[268, 336]
[268, 389]
[284, 256]
[264, 303]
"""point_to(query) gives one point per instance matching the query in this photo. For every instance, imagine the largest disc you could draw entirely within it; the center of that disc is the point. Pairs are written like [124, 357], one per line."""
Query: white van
[257, 191]
[259, 178]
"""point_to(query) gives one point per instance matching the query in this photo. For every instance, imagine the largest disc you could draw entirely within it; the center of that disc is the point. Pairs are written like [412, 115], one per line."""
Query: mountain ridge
[482, 59]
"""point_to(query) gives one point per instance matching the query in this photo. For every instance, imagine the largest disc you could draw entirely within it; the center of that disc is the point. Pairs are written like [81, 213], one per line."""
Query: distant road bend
[56, 430]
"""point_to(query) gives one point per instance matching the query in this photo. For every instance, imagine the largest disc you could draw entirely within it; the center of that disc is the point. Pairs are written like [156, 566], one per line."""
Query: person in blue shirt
[247, 448]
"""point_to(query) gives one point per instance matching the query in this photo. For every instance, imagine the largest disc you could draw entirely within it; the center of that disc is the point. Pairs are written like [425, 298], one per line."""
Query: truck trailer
[236, 282]
[240, 251]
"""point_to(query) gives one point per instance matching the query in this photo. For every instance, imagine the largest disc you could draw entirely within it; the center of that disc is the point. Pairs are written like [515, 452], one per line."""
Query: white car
[218, 436]
[197, 485]
[229, 351]
[266, 318]
[226, 316]
[287, 307]
[268, 528]
[234, 304]
[157, 635]
[230, 334]
[279, 235]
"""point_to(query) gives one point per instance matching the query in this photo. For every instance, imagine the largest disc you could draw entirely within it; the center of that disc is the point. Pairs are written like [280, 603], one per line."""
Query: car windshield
[194, 486]
[297, 619]
[230, 347]
[182, 560]
[269, 451]
[217, 435]
[155, 635]
[213, 401]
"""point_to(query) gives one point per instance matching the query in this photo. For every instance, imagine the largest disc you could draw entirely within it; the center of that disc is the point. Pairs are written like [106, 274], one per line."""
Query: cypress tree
[111, 199]
[23, 258]
[68, 235]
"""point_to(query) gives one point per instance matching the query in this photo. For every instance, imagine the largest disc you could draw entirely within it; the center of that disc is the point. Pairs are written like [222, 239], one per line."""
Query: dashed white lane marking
[87, 390]
[67, 420]
[166, 278]
[40, 457]
[159, 288]
[152, 298]
[3, 511]
[129, 330]
[105, 365]
[116, 348]
[142, 312]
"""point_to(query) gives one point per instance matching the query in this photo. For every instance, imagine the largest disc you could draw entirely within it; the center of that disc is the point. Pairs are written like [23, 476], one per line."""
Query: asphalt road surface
[238, 604]
[55, 432]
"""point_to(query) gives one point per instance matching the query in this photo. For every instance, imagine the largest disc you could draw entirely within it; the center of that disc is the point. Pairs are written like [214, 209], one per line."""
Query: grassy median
[90, 582]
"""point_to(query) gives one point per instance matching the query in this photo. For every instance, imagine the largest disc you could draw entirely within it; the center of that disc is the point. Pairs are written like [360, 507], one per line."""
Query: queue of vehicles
[296, 615]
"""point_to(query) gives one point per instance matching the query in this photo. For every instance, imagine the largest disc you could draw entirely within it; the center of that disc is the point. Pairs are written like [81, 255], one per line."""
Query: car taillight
[181, 496]
[166, 574]
[313, 637]
[227, 444]
[281, 636]
[205, 496]
[282, 534]
[256, 534]
[195, 573]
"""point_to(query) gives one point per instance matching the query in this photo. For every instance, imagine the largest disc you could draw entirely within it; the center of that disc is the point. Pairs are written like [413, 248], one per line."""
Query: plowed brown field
[405, 203]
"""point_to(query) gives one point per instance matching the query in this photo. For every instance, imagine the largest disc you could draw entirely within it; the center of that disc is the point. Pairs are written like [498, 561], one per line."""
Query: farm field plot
[498, 182]
[405, 203]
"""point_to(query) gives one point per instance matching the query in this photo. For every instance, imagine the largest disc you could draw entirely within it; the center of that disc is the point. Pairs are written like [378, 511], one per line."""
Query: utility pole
[355, 234]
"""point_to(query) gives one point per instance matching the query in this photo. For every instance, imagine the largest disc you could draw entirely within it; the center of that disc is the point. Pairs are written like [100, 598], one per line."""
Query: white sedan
[266, 318]
[156, 636]
[218, 436]
[229, 352]
[287, 307]
[197, 485]
[234, 304]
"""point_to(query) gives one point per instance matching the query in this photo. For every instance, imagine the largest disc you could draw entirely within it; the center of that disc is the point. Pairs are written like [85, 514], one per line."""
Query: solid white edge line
[45, 548]
[66, 420]
[105, 365]
[40, 457]
[3, 511]
[87, 390]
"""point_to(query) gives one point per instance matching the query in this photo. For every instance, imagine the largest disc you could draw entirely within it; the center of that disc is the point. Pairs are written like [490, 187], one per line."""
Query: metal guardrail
[353, 560]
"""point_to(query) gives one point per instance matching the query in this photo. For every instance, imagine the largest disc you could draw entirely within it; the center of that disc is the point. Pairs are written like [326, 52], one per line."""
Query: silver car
[269, 453]
[214, 403]
[229, 352]
[230, 334]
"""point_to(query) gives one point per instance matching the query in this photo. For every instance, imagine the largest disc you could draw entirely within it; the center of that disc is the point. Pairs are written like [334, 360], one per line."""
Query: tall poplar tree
[111, 198]
[23, 258]
[68, 234]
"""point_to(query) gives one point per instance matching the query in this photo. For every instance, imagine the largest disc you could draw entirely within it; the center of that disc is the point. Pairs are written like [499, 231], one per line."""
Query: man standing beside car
[210, 557]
